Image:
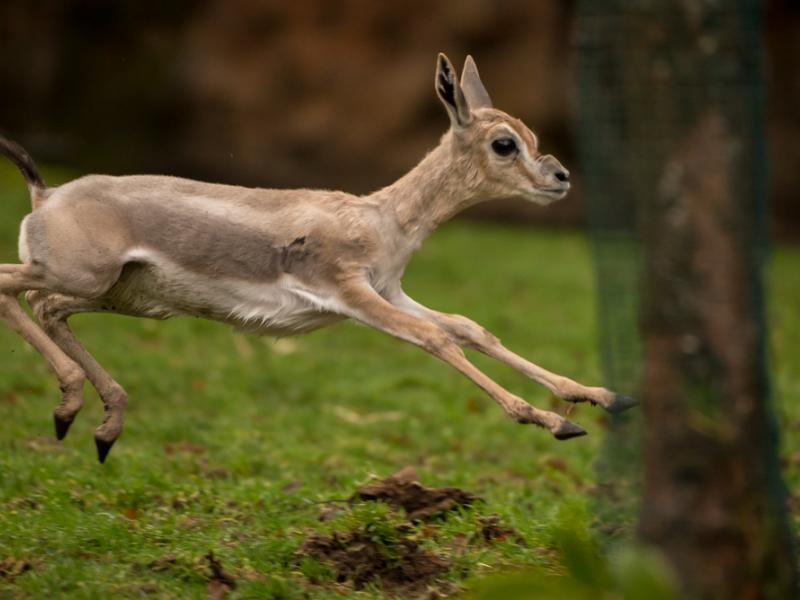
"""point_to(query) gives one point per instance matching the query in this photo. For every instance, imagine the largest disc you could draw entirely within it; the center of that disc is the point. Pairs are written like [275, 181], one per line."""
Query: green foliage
[585, 571]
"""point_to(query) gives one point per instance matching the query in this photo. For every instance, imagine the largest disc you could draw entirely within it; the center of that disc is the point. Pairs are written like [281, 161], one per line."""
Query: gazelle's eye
[504, 146]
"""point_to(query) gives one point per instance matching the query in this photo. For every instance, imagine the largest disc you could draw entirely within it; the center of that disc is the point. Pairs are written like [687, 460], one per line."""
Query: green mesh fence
[647, 71]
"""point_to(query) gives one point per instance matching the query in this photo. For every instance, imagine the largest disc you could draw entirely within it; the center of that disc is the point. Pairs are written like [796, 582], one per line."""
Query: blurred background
[314, 93]
[679, 121]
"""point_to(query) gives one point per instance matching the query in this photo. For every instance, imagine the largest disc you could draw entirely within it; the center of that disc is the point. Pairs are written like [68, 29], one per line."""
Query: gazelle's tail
[17, 154]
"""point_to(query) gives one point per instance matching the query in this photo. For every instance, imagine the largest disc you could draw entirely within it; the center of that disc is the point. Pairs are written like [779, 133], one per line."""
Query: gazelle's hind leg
[15, 279]
[52, 310]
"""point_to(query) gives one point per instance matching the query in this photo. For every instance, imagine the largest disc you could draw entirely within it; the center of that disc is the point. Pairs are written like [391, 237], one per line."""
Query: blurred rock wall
[315, 93]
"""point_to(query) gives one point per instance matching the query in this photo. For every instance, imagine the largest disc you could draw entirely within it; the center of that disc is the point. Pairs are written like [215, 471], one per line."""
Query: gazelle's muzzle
[553, 176]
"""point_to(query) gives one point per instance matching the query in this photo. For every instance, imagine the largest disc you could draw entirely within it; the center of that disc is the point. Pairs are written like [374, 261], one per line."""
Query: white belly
[158, 289]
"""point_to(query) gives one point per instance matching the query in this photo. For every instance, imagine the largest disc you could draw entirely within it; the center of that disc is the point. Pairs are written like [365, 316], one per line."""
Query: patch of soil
[180, 501]
[220, 582]
[24, 503]
[403, 490]
[44, 444]
[215, 473]
[355, 557]
[328, 512]
[137, 589]
[164, 563]
[11, 568]
[492, 530]
[184, 447]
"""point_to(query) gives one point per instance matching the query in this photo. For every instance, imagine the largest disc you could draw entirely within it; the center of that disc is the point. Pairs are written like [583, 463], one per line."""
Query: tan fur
[277, 261]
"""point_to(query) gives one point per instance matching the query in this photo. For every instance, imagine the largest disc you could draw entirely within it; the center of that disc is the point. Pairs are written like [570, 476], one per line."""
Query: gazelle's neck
[439, 187]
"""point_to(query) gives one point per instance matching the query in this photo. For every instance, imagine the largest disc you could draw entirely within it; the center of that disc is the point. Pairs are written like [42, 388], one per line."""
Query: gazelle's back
[211, 229]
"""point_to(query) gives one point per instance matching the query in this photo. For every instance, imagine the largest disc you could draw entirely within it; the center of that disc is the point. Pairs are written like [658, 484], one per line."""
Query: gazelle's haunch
[275, 261]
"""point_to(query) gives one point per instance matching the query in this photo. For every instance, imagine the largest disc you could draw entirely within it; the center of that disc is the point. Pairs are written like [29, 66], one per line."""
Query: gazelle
[275, 261]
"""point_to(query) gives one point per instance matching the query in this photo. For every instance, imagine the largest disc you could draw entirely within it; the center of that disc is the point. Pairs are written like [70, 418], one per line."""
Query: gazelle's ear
[472, 86]
[449, 92]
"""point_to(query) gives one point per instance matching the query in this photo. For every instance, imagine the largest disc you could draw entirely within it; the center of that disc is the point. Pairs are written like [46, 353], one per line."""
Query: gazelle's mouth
[555, 192]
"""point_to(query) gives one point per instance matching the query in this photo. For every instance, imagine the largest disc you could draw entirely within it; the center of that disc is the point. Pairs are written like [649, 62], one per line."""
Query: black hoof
[102, 449]
[621, 403]
[62, 426]
[568, 430]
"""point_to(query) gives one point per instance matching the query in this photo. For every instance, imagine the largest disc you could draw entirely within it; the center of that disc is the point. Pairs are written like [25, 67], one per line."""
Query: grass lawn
[237, 444]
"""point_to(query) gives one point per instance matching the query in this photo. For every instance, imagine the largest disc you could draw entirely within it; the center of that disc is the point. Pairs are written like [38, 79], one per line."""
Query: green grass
[233, 444]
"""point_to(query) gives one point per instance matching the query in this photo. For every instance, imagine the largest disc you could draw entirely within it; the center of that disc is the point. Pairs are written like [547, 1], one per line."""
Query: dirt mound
[403, 490]
[357, 557]
[492, 530]
[389, 554]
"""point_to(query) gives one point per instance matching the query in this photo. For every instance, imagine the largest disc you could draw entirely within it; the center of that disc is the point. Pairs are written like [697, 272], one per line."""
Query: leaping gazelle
[275, 261]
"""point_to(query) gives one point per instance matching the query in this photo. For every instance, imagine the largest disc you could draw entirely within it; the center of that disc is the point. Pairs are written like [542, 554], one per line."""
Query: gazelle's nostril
[562, 175]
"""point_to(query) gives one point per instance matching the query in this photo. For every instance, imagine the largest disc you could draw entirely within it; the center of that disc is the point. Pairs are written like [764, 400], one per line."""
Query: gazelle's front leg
[367, 306]
[468, 333]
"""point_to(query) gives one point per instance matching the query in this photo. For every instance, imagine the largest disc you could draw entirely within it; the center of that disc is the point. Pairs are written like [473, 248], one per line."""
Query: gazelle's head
[502, 152]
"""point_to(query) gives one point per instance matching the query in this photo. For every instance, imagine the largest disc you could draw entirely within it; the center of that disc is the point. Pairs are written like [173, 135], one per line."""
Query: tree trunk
[685, 84]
